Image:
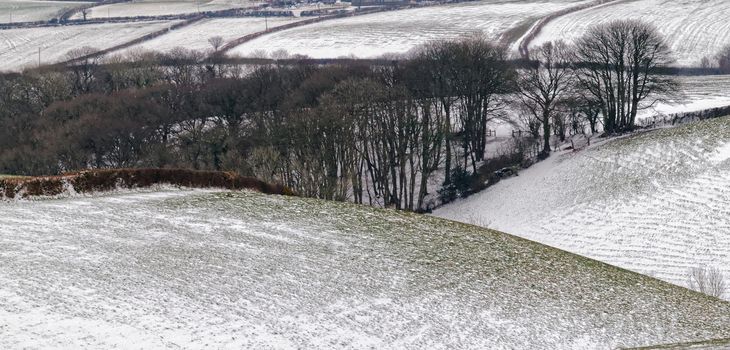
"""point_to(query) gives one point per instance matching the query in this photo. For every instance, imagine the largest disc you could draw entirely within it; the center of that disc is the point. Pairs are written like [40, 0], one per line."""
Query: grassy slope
[250, 270]
[655, 202]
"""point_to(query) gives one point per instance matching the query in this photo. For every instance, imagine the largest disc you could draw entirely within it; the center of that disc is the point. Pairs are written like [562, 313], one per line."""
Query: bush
[459, 186]
[111, 179]
[707, 280]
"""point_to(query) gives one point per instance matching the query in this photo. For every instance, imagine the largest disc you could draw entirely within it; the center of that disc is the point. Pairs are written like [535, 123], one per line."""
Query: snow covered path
[656, 203]
[198, 269]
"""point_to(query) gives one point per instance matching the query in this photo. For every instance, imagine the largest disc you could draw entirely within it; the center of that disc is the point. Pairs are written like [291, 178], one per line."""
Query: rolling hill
[694, 28]
[657, 202]
[161, 8]
[19, 48]
[373, 35]
[13, 11]
[195, 269]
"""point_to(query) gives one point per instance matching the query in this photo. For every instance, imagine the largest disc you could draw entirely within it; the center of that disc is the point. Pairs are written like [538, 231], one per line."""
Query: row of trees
[611, 71]
[372, 134]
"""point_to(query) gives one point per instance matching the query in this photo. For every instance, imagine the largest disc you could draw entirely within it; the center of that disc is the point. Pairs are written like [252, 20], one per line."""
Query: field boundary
[690, 345]
[359, 12]
[244, 39]
[105, 180]
[133, 42]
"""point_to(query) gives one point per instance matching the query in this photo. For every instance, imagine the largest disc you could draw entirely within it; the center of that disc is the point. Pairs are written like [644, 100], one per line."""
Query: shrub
[111, 179]
[459, 186]
[707, 280]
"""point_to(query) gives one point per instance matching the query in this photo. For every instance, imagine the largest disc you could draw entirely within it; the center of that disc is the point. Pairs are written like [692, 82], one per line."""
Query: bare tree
[723, 59]
[83, 64]
[618, 64]
[543, 84]
[85, 12]
[707, 280]
[216, 42]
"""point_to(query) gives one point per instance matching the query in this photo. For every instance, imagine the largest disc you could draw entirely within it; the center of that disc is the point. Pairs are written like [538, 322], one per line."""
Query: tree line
[373, 134]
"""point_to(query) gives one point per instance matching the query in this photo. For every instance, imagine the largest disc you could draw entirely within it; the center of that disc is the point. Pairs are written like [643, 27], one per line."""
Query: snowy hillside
[198, 269]
[399, 31]
[694, 28]
[12, 11]
[697, 93]
[195, 36]
[657, 203]
[162, 7]
[19, 47]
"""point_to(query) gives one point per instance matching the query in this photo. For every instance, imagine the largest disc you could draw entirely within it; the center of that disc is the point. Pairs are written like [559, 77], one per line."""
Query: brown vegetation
[110, 179]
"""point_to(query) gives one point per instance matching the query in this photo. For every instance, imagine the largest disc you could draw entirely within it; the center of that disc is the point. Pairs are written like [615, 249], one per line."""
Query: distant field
[19, 47]
[33, 10]
[399, 31]
[197, 269]
[694, 28]
[657, 203]
[196, 36]
[163, 7]
[698, 93]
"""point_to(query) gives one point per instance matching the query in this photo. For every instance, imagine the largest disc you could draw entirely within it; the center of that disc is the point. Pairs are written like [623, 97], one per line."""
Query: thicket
[370, 133]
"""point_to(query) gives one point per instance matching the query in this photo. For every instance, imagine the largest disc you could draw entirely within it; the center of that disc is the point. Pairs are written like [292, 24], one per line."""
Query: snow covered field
[19, 47]
[694, 28]
[163, 7]
[195, 36]
[199, 269]
[657, 203]
[12, 11]
[373, 35]
[697, 93]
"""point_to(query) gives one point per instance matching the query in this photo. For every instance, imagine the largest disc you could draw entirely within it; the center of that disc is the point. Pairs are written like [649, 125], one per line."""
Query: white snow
[657, 203]
[376, 34]
[199, 269]
[195, 36]
[696, 93]
[162, 7]
[19, 47]
[694, 28]
[13, 11]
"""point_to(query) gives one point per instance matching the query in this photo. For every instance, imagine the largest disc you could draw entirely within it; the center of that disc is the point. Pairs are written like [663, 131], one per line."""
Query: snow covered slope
[195, 36]
[198, 269]
[657, 203]
[12, 11]
[399, 31]
[162, 7]
[19, 47]
[694, 28]
[697, 93]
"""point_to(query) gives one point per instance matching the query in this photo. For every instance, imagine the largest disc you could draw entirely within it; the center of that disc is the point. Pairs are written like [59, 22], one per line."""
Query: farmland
[180, 268]
[694, 28]
[195, 36]
[12, 11]
[161, 7]
[19, 47]
[399, 31]
[656, 203]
